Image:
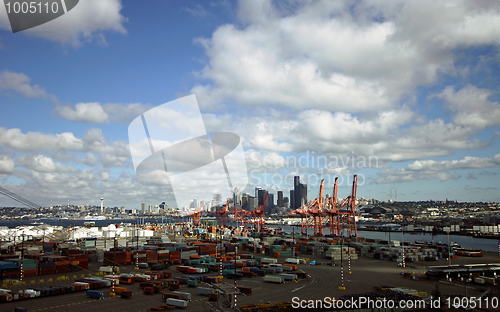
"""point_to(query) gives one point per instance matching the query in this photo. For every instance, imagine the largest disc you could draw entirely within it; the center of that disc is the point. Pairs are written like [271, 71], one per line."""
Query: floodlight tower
[102, 202]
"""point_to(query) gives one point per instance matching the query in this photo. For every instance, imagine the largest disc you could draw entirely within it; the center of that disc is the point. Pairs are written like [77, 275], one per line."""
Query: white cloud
[37, 141]
[467, 163]
[20, 83]
[125, 112]
[431, 169]
[114, 154]
[88, 20]
[87, 112]
[93, 112]
[472, 107]
[42, 163]
[7, 165]
[196, 11]
[337, 55]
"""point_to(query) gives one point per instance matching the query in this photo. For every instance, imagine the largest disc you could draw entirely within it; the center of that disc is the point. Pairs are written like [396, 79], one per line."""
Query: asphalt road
[367, 273]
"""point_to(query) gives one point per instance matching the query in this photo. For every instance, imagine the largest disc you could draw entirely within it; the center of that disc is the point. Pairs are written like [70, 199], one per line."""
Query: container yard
[127, 274]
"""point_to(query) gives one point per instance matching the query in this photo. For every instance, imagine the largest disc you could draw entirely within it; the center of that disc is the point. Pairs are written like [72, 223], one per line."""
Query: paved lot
[324, 281]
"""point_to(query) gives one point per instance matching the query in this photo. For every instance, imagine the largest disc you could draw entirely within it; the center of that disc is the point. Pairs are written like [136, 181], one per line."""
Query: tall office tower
[237, 196]
[102, 204]
[304, 194]
[252, 203]
[257, 191]
[269, 204]
[244, 202]
[297, 192]
[280, 199]
[299, 197]
[292, 199]
[217, 199]
[261, 196]
[143, 207]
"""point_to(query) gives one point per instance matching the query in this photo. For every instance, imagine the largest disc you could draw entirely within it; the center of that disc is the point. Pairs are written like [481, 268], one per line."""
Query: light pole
[22, 260]
[349, 252]
[137, 246]
[114, 263]
[342, 287]
[404, 263]
[449, 249]
[235, 288]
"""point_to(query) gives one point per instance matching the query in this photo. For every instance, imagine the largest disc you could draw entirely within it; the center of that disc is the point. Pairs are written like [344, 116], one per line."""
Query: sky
[405, 94]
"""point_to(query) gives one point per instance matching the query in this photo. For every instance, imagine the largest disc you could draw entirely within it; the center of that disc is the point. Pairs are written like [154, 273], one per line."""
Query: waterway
[485, 244]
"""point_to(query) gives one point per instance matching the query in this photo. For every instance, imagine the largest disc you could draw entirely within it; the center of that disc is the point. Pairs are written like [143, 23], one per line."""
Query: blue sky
[413, 85]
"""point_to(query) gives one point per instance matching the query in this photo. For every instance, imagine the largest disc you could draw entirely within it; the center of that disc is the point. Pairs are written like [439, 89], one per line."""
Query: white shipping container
[273, 279]
[289, 276]
[177, 303]
[268, 260]
[185, 296]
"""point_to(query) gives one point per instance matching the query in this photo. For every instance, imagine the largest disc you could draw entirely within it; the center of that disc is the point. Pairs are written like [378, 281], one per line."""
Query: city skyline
[403, 94]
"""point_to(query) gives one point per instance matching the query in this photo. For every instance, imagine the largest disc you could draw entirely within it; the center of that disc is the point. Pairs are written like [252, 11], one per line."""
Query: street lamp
[449, 248]
[22, 260]
[342, 287]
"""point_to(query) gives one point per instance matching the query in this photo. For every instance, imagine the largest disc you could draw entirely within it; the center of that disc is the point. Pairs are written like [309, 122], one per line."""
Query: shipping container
[185, 296]
[176, 303]
[203, 291]
[273, 279]
[95, 294]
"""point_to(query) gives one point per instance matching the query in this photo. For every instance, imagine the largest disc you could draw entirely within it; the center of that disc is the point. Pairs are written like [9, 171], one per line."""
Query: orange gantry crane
[322, 213]
[258, 216]
[222, 214]
[197, 215]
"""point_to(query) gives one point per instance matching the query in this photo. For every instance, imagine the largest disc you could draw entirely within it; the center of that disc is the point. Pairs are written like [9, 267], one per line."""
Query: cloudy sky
[403, 93]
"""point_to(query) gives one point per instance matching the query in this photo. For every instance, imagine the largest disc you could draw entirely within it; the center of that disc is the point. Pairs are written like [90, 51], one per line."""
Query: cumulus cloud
[65, 145]
[93, 112]
[87, 21]
[339, 56]
[7, 165]
[472, 107]
[42, 163]
[20, 83]
[86, 112]
[38, 141]
[87, 186]
[431, 169]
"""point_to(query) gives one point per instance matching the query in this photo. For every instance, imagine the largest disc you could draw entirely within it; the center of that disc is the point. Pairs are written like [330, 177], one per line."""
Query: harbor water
[486, 244]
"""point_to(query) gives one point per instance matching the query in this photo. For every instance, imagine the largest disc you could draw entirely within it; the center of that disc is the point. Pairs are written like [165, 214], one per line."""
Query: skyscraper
[280, 199]
[269, 204]
[261, 196]
[299, 196]
[252, 203]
